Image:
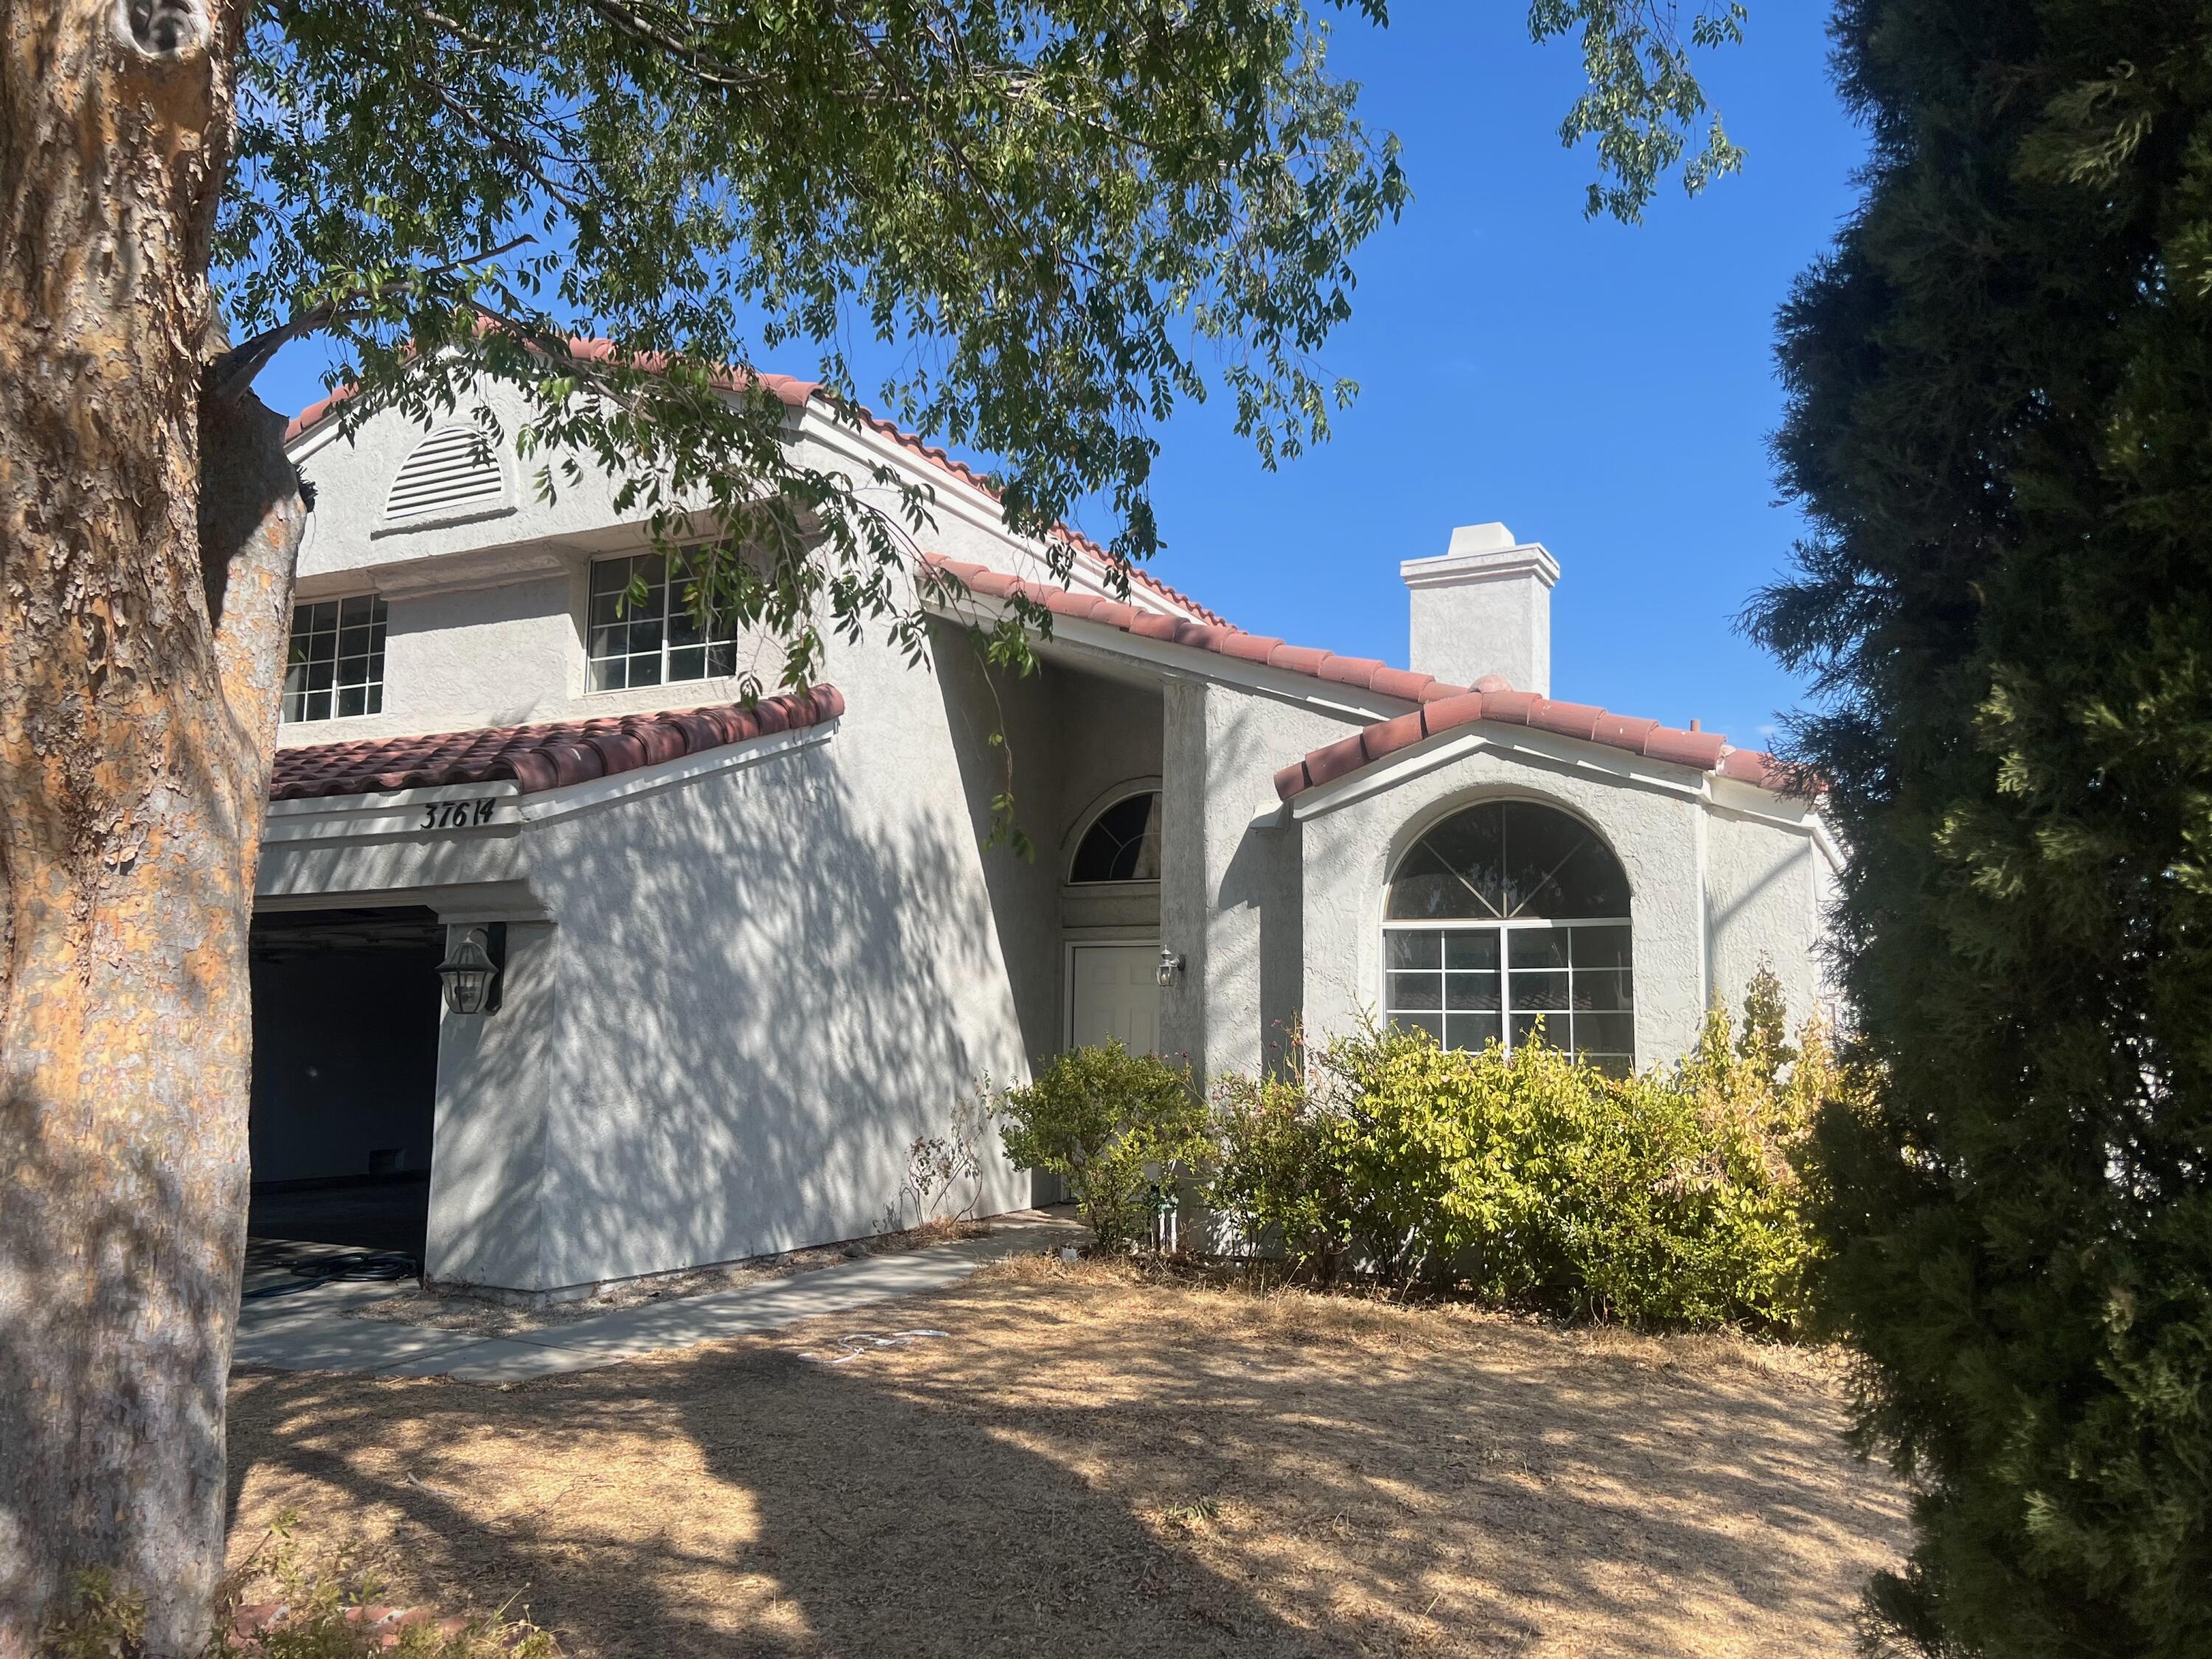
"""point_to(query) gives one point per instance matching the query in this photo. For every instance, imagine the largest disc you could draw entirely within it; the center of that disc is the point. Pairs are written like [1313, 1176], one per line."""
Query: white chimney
[1484, 607]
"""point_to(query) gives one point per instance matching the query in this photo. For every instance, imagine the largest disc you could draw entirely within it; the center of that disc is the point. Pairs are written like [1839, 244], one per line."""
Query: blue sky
[1606, 390]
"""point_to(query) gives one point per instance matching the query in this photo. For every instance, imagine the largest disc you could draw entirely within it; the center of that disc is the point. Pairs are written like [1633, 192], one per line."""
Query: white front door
[1117, 995]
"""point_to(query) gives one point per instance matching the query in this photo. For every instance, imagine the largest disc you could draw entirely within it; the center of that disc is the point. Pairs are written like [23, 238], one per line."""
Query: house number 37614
[455, 814]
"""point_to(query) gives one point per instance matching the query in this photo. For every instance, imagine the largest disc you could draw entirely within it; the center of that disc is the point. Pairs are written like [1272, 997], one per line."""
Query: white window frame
[1116, 797]
[1553, 1036]
[668, 607]
[372, 689]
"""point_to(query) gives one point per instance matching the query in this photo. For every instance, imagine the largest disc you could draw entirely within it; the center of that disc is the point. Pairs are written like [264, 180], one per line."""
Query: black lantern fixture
[471, 970]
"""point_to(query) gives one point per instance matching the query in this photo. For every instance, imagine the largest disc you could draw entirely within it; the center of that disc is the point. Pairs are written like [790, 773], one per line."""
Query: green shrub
[1278, 1173]
[1536, 1180]
[1110, 1124]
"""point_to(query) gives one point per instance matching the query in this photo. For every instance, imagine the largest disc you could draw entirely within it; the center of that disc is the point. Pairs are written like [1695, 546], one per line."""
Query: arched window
[1506, 915]
[1123, 843]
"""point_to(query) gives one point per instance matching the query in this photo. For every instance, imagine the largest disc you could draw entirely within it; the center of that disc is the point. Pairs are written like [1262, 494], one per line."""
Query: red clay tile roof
[539, 757]
[796, 394]
[1221, 638]
[1494, 700]
[1442, 706]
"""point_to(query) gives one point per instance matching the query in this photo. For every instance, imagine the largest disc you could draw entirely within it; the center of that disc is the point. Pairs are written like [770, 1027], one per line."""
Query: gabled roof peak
[798, 394]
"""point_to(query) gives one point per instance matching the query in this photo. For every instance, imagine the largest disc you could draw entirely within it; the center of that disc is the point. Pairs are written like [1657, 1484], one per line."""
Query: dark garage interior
[345, 1076]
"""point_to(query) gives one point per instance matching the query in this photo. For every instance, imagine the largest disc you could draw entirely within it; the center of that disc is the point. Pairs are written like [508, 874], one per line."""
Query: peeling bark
[146, 553]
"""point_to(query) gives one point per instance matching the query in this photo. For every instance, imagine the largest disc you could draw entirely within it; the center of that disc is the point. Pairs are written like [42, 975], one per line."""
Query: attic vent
[452, 468]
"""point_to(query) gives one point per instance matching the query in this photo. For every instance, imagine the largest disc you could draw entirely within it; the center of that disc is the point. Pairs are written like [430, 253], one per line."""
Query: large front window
[1505, 917]
[645, 627]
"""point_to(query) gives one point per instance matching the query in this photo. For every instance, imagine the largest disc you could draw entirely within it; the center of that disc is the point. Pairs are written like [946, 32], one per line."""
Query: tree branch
[230, 376]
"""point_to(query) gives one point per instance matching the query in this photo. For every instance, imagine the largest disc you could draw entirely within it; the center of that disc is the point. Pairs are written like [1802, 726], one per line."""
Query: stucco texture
[1230, 889]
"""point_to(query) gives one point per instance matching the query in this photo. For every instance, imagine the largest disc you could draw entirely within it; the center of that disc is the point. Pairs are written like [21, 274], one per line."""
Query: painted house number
[456, 814]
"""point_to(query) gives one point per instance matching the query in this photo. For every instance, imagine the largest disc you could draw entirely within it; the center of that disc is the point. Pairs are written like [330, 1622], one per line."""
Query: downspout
[1704, 914]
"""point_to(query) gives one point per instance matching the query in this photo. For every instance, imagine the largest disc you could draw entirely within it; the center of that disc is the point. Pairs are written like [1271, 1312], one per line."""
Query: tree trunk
[146, 550]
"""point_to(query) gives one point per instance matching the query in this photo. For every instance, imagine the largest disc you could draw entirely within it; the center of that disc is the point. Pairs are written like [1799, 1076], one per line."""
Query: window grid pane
[334, 663]
[1468, 986]
[652, 640]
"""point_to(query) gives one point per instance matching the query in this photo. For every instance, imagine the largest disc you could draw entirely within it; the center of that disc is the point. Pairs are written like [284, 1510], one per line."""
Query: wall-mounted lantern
[470, 971]
[1170, 965]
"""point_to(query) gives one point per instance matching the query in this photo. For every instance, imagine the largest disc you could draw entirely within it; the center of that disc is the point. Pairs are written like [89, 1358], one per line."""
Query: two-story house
[746, 956]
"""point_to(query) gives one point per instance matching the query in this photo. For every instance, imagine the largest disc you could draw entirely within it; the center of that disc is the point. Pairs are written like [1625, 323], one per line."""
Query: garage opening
[345, 1078]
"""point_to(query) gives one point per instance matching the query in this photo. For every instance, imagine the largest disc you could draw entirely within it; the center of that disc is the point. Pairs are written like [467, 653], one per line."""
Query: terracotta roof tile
[1301, 660]
[1703, 749]
[1455, 710]
[1441, 707]
[1401, 682]
[1707, 752]
[1389, 737]
[538, 756]
[1351, 671]
[1622, 732]
[1249, 647]
[1335, 760]
[1749, 766]
[1569, 719]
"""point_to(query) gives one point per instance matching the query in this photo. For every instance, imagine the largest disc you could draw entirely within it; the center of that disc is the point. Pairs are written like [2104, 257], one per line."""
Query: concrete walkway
[313, 1331]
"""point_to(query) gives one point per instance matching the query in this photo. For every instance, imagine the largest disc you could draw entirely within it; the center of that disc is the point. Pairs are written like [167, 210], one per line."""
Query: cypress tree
[2000, 428]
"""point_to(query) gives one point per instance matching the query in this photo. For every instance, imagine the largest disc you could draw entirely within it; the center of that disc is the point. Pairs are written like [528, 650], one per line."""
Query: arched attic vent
[454, 469]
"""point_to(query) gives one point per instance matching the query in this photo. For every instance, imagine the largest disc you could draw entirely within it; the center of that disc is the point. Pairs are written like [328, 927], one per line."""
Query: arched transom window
[1123, 843]
[1506, 915]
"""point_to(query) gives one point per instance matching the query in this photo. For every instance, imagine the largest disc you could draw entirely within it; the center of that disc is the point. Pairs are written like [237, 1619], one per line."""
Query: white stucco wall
[733, 1004]
[1768, 885]
[772, 983]
[747, 995]
[1229, 893]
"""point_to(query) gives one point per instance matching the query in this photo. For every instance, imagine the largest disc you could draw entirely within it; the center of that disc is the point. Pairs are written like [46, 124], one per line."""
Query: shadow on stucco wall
[760, 988]
[756, 1003]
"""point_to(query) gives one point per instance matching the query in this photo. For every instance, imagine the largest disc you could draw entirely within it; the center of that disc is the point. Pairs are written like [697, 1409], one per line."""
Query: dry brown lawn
[1087, 1464]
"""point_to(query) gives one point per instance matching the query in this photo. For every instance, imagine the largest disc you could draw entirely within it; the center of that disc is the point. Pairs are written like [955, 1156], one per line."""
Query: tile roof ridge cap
[1145, 578]
[1298, 777]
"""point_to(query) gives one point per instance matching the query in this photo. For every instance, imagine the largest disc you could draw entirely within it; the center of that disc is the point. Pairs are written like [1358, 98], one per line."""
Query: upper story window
[656, 639]
[1123, 843]
[336, 664]
[1505, 915]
